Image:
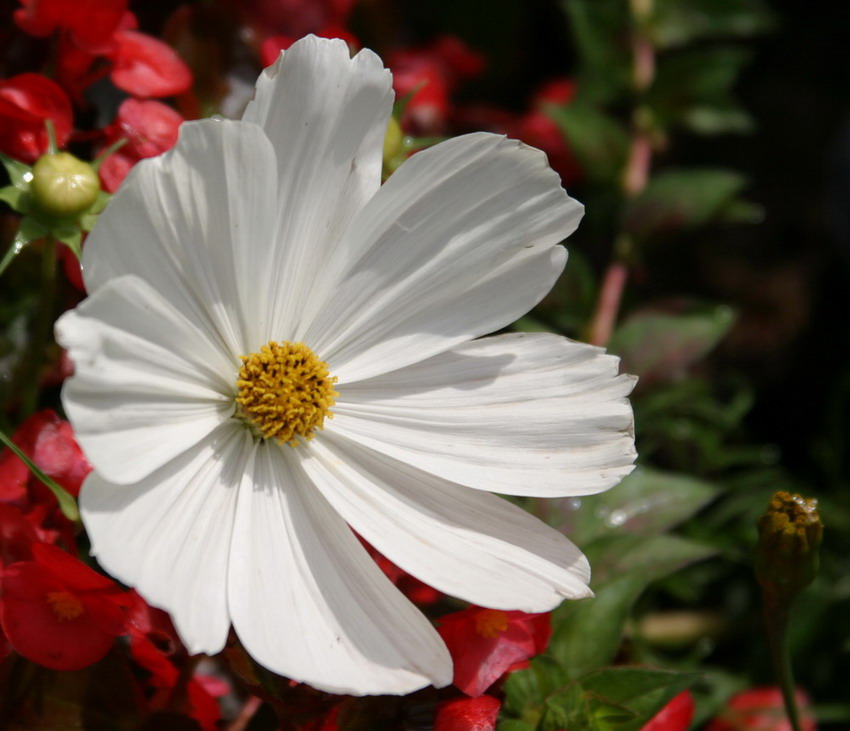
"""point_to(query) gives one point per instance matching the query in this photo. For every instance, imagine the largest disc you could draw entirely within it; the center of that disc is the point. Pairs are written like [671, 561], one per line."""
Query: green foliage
[600, 30]
[658, 346]
[679, 22]
[683, 200]
[693, 88]
[600, 142]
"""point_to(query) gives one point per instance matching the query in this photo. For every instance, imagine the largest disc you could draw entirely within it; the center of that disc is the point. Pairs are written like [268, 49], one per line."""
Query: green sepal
[71, 236]
[18, 198]
[19, 174]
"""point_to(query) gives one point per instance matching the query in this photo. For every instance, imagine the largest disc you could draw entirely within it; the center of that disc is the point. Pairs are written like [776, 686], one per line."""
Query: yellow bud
[392, 139]
[63, 185]
[790, 534]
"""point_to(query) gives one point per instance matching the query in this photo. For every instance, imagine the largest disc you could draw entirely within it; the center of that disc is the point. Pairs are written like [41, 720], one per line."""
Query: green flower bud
[64, 186]
[790, 534]
[392, 140]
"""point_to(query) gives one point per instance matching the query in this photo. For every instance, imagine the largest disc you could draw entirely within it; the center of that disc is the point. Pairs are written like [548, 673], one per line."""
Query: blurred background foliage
[710, 143]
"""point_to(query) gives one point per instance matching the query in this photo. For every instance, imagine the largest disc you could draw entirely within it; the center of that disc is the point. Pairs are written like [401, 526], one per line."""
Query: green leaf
[649, 557]
[586, 633]
[599, 142]
[67, 504]
[601, 32]
[642, 692]
[647, 502]
[678, 22]
[681, 200]
[692, 89]
[513, 724]
[659, 346]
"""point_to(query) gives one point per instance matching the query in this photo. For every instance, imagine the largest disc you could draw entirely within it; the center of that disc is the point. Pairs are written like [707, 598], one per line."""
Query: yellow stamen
[64, 605]
[490, 622]
[285, 392]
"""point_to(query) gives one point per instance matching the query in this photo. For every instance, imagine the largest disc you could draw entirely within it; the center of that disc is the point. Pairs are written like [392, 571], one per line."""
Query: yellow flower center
[64, 605]
[285, 392]
[490, 622]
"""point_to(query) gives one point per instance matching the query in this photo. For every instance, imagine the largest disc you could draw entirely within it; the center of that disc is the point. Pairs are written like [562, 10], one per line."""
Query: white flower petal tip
[275, 231]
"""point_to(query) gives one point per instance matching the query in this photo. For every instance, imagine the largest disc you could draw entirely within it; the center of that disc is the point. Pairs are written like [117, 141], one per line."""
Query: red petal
[467, 714]
[26, 101]
[114, 169]
[40, 17]
[675, 716]
[71, 573]
[761, 709]
[92, 23]
[147, 67]
[150, 127]
[16, 536]
[49, 442]
[480, 660]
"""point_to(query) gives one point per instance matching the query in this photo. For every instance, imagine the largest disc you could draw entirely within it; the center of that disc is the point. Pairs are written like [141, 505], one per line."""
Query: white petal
[147, 384]
[169, 535]
[516, 414]
[460, 241]
[326, 114]
[466, 543]
[308, 602]
[197, 224]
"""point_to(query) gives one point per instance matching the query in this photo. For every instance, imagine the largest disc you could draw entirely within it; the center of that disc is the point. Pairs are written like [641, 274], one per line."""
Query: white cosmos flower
[271, 238]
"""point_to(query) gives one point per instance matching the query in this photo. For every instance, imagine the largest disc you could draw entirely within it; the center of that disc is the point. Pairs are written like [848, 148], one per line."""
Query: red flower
[761, 709]
[150, 128]
[431, 74]
[59, 613]
[271, 47]
[675, 716]
[89, 23]
[486, 643]
[49, 442]
[147, 67]
[467, 714]
[16, 536]
[154, 646]
[26, 101]
[293, 18]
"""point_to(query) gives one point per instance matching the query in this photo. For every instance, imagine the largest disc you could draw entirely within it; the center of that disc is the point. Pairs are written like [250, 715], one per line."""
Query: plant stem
[635, 174]
[777, 615]
[41, 331]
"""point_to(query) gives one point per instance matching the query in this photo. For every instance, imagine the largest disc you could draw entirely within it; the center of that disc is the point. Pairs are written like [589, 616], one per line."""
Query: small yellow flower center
[285, 392]
[64, 605]
[490, 623]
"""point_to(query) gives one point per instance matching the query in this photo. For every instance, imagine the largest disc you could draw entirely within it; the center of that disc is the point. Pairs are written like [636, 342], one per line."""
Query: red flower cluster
[92, 39]
[428, 76]
[55, 610]
[98, 37]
